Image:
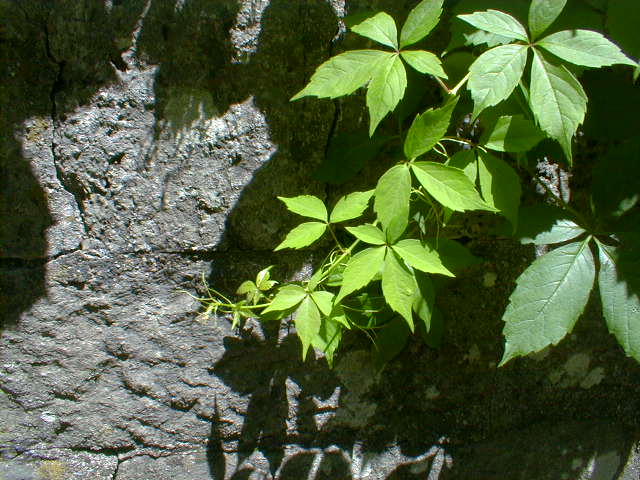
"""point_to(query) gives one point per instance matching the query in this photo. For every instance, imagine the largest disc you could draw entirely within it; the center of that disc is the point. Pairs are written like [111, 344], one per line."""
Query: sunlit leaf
[398, 287]
[542, 13]
[368, 234]
[380, 28]
[303, 235]
[420, 21]
[497, 22]
[288, 296]
[307, 320]
[428, 129]
[500, 185]
[545, 224]
[360, 270]
[385, 90]
[328, 338]
[350, 206]
[392, 200]
[511, 133]
[586, 48]
[424, 62]
[466, 161]
[421, 257]
[307, 206]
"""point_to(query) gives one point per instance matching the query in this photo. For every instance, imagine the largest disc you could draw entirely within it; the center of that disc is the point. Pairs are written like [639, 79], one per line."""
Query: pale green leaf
[500, 185]
[288, 296]
[324, 301]
[449, 186]
[351, 206]
[263, 279]
[421, 257]
[424, 62]
[549, 297]
[557, 101]
[328, 338]
[545, 224]
[428, 129]
[420, 21]
[392, 200]
[368, 234]
[343, 74]
[307, 322]
[307, 206]
[380, 28]
[542, 13]
[619, 292]
[360, 270]
[511, 133]
[398, 287]
[385, 90]
[497, 22]
[495, 74]
[586, 48]
[303, 235]
[465, 160]
[246, 287]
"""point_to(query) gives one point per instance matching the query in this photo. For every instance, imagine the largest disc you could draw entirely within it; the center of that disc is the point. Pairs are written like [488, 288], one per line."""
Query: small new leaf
[360, 270]
[380, 28]
[307, 206]
[428, 129]
[385, 90]
[303, 235]
[391, 203]
[542, 13]
[420, 22]
[398, 287]
[549, 297]
[424, 62]
[497, 22]
[350, 206]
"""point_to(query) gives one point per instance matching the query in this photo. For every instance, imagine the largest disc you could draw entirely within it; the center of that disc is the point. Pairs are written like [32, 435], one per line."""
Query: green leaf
[328, 338]
[421, 257]
[424, 299]
[449, 186]
[542, 13]
[420, 21]
[389, 341]
[465, 160]
[288, 296]
[424, 62]
[586, 48]
[308, 322]
[385, 90]
[511, 133]
[557, 101]
[343, 74]
[391, 203]
[303, 235]
[246, 287]
[263, 279]
[497, 22]
[324, 301]
[433, 337]
[428, 129]
[398, 287]
[453, 255]
[549, 297]
[623, 18]
[500, 185]
[360, 270]
[544, 225]
[368, 234]
[494, 75]
[350, 206]
[380, 28]
[307, 206]
[619, 283]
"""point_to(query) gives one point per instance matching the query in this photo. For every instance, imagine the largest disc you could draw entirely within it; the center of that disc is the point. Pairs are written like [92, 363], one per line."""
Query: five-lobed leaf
[343, 74]
[557, 101]
[303, 235]
[307, 206]
[380, 28]
[421, 257]
[511, 133]
[585, 48]
[428, 129]
[500, 185]
[495, 74]
[542, 13]
[497, 22]
[360, 270]
[350, 206]
[386, 89]
[398, 287]
[424, 62]
[420, 21]
[391, 203]
[549, 297]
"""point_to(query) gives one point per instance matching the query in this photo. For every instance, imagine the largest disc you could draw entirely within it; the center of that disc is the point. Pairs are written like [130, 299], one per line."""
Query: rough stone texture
[142, 146]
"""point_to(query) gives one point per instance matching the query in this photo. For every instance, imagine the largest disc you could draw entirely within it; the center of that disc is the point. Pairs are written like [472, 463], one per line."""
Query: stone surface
[143, 146]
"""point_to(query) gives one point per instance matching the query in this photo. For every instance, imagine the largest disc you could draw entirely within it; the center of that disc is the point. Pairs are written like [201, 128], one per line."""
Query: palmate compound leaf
[511, 133]
[497, 22]
[449, 186]
[424, 62]
[420, 21]
[428, 129]
[380, 28]
[585, 48]
[549, 297]
[500, 185]
[542, 13]
[343, 74]
[420, 256]
[398, 287]
[495, 74]
[307, 206]
[557, 101]
[360, 270]
[391, 204]
[350, 206]
[619, 284]
[303, 235]
[386, 89]
[307, 321]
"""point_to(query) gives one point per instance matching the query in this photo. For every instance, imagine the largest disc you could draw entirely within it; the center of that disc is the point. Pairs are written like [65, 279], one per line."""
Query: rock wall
[143, 144]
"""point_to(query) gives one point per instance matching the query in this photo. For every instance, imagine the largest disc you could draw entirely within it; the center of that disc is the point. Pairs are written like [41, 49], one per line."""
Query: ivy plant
[391, 242]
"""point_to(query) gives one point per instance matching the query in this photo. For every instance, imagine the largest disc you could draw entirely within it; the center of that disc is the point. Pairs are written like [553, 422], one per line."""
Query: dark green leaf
[328, 338]
[421, 257]
[392, 200]
[420, 21]
[307, 206]
[454, 256]
[385, 90]
[497, 22]
[380, 28]
[433, 337]
[542, 14]
[428, 129]
[511, 133]
[465, 160]
[389, 341]
[368, 234]
[351, 206]
[424, 62]
[545, 224]
[623, 18]
[307, 321]
[424, 300]
[398, 287]
[586, 48]
[303, 235]
[500, 185]
[549, 297]
[360, 270]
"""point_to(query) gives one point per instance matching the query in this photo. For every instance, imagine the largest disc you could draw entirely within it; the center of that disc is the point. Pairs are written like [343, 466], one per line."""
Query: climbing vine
[522, 90]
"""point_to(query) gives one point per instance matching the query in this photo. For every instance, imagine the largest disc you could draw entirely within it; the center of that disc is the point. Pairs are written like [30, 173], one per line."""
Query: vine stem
[454, 90]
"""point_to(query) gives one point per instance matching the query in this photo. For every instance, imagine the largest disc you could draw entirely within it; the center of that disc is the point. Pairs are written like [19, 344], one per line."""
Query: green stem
[335, 239]
[455, 89]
